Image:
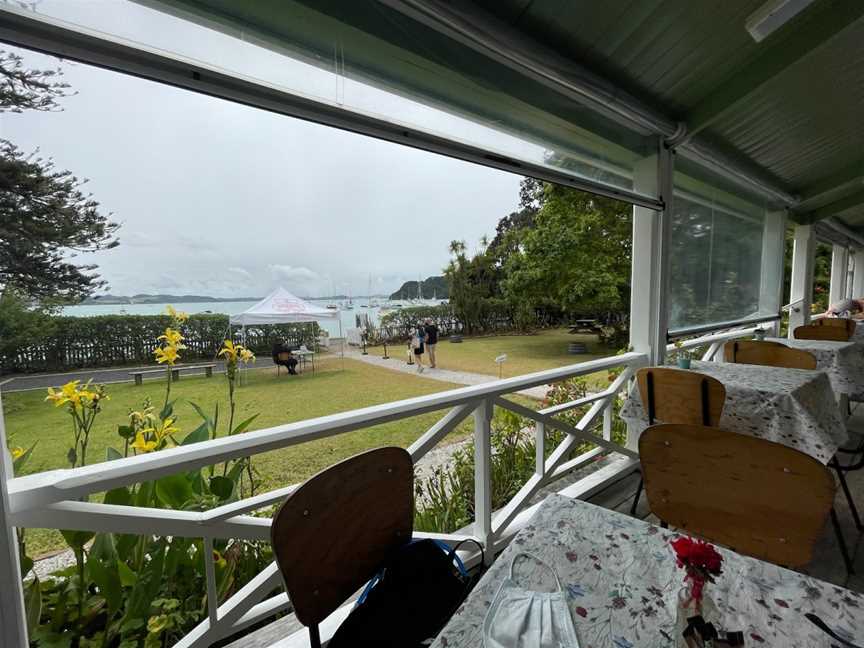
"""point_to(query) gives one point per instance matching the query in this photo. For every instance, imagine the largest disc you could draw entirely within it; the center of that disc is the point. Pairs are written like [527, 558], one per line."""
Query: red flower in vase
[701, 561]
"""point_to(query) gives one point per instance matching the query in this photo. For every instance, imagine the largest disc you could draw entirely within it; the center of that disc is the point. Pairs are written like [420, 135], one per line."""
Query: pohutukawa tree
[47, 220]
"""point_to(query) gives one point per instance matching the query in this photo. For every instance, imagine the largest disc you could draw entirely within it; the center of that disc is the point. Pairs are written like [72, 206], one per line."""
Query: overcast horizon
[219, 199]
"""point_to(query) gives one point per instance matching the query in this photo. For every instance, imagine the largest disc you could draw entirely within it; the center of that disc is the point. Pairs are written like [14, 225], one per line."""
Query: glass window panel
[725, 253]
[370, 59]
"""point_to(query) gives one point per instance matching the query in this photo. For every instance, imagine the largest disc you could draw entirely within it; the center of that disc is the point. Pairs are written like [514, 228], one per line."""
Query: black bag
[410, 600]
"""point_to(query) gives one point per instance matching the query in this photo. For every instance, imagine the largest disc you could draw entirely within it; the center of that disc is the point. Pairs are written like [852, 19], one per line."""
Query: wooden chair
[842, 322]
[771, 354]
[332, 534]
[823, 332]
[678, 396]
[757, 497]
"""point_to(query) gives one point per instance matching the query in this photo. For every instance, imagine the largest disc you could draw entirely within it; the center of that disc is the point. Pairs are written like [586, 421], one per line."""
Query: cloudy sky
[225, 200]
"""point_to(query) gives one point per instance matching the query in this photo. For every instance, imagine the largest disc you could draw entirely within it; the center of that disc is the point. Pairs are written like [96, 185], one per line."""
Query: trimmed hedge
[112, 340]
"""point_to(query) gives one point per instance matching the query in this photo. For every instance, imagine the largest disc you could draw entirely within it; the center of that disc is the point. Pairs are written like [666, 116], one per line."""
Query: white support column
[858, 274]
[771, 271]
[13, 632]
[801, 293]
[483, 478]
[839, 272]
[649, 282]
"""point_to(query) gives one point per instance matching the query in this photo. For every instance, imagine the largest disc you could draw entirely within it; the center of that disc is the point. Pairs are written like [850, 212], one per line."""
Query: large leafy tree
[575, 255]
[47, 219]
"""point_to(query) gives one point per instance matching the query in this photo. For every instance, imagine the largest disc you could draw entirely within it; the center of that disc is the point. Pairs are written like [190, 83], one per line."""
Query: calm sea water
[347, 313]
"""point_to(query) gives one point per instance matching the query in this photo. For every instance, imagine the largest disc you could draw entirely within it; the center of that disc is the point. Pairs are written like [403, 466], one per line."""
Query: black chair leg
[636, 498]
[314, 637]
[844, 550]
[849, 500]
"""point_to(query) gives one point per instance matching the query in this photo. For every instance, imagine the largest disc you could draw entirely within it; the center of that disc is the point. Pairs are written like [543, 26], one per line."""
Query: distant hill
[162, 299]
[432, 287]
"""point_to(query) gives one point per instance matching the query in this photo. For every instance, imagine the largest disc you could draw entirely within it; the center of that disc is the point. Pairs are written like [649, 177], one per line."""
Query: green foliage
[65, 343]
[444, 501]
[20, 323]
[576, 256]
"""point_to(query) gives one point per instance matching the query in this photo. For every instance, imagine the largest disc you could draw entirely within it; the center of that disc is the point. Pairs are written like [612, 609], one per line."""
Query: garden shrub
[115, 340]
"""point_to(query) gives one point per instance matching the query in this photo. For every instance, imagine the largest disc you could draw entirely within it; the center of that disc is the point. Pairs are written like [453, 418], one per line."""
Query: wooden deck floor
[827, 566]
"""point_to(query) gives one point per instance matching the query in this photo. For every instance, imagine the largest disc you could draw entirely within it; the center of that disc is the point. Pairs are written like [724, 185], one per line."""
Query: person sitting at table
[282, 355]
[846, 308]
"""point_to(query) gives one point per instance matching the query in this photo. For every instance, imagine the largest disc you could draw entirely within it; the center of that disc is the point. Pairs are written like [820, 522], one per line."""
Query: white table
[622, 583]
[794, 407]
[844, 361]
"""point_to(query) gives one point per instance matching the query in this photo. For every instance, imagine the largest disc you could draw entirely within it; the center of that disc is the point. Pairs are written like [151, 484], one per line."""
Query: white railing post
[607, 420]
[839, 273]
[13, 631]
[483, 477]
[540, 447]
[801, 293]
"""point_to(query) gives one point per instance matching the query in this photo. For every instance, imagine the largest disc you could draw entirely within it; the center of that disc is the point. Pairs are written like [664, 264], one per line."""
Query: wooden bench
[175, 372]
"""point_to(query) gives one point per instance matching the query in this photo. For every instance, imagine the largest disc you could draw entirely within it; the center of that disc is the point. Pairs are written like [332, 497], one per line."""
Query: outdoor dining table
[795, 407]
[622, 584]
[844, 361]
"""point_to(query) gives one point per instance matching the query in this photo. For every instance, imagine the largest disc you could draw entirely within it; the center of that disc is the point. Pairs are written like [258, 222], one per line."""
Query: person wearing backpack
[417, 344]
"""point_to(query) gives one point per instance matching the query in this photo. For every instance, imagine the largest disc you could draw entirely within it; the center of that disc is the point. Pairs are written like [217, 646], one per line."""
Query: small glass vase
[684, 363]
[689, 607]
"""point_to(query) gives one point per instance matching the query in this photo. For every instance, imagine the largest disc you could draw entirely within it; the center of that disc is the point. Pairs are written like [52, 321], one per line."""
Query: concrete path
[444, 375]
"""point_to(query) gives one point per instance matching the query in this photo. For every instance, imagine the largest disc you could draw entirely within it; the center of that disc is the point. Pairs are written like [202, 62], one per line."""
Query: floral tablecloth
[844, 361]
[622, 586]
[790, 406]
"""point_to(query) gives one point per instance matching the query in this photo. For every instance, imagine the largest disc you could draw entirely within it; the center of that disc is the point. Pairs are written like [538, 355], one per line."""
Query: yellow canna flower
[229, 351]
[218, 559]
[141, 444]
[167, 428]
[177, 316]
[68, 393]
[166, 354]
[173, 338]
[246, 355]
[16, 452]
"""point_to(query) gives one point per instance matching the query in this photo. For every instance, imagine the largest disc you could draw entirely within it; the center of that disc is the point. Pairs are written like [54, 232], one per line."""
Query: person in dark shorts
[417, 344]
[431, 340]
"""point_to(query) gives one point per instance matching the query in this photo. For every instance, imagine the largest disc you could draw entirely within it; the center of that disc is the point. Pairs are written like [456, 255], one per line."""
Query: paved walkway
[444, 375]
[22, 382]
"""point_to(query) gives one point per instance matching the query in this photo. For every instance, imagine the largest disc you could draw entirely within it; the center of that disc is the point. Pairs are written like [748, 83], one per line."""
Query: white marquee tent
[281, 307]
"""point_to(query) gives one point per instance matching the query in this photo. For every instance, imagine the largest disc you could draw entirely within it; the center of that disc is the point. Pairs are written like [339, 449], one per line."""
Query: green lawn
[280, 399]
[525, 353]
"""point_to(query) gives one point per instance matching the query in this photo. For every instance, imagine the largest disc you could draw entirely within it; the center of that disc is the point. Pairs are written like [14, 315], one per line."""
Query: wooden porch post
[858, 274]
[801, 293]
[839, 273]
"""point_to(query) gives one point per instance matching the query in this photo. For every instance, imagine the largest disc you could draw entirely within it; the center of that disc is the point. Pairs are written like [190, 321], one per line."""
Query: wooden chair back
[824, 332]
[332, 534]
[770, 354]
[680, 396]
[757, 497]
[282, 357]
[842, 322]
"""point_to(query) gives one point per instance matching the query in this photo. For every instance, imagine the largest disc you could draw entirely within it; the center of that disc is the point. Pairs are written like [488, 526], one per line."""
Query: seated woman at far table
[853, 308]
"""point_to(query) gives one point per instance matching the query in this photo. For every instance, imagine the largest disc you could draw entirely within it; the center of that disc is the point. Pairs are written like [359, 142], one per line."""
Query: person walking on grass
[431, 340]
[417, 344]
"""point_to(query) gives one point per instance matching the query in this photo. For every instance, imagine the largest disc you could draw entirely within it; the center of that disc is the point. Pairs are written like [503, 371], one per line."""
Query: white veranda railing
[52, 499]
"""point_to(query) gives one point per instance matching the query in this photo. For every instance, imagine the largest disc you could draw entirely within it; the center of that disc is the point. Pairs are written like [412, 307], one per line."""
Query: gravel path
[444, 375]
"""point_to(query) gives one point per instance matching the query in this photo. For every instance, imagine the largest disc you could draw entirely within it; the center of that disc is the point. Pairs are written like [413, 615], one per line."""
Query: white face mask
[520, 618]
